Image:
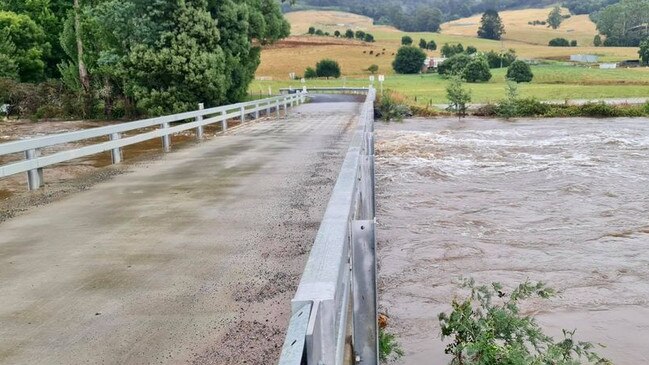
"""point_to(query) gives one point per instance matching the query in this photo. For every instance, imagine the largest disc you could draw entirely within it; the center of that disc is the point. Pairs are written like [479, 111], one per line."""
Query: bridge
[196, 257]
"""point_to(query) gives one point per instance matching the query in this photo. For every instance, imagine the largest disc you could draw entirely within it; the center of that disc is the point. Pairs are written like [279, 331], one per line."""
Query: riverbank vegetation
[116, 58]
[489, 327]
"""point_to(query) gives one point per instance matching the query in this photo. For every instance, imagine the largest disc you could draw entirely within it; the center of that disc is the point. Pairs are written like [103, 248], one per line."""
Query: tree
[555, 18]
[373, 69]
[457, 96]
[477, 71]
[427, 19]
[644, 52]
[359, 34]
[369, 38]
[597, 41]
[328, 68]
[573, 43]
[451, 50]
[422, 43]
[431, 45]
[499, 60]
[27, 44]
[406, 40]
[349, 34]
[319, 32]
[519, 71]
[454, 65]
[624, 23]
[83, 71]
[491, 26]
[310, 73]
[311, 30]
[409, 60]
[471, 50]
[559, 42]
[337, 34]
[8, 67]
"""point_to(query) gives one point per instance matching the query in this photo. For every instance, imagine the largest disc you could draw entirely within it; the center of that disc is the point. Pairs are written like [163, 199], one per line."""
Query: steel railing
[340, 274]
[327, 90]
[34, 161]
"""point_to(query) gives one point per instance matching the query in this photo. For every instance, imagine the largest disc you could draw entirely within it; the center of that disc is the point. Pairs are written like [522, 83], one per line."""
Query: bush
[454, 65]
[373, 69]
[409, 60]
[337, 34]
[520, 71]
[451, 50]
[406, 40]
[573, 43]
[349, 34]
[422, 43]
[597, 41]
[369, 38]
[488, 327]
[559, 42]
[311, 30]
[327, 68]
[319, 32]
[431, 45]
[477, 71]
[359, 34]
[497, 60]
[310, 73]
[598, 110]
[390, 107]
[471, 50]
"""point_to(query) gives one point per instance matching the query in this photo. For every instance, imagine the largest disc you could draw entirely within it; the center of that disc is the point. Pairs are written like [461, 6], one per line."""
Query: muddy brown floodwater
[560, 201]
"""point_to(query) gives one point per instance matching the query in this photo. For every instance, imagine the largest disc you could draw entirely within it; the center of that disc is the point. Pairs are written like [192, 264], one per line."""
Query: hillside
[577, 27]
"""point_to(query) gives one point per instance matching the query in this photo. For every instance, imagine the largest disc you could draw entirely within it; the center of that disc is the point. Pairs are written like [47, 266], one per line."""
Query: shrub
[573, 43]
[431, 45]
[409, 60]
[598, 110]
[559, 42]
[327, 68]
[319, 32]
[454, 65]
[477, 71]
[310, 73]
[597, 41]
[530, 107]
[389, 348]
[520, 71]
[373, 69]
[337, 33]
[422, 43]
[406, 40]
[471, 50]
[349, 34]
[488, 327]
[311, 30]
[359, 34]
[497, 60]
[369, 38]
[458, 97]
[451, 50]
[390, 107]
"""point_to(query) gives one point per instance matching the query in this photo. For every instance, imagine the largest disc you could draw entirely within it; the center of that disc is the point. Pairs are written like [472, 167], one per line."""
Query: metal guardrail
[340, 274]
[327, 90]
[32, 148]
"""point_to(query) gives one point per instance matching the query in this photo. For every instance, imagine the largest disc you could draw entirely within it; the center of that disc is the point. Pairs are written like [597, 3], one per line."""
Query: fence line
[34, 162]
[340, 274]
[327, 90]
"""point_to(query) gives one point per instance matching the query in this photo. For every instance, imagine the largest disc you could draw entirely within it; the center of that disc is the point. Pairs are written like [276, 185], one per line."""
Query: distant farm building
[584, 58]
[431, 63]
[607, 66]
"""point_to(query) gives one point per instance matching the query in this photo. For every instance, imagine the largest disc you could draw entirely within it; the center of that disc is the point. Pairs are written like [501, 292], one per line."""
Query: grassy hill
[553, 81]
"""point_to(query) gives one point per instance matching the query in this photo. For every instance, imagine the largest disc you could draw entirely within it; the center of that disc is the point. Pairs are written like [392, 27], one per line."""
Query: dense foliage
[488, 328]
[491, 26]
[554, 18]
[144, 56]
[327, 68]
[559, 42]
[458, 97]
[409, 60]
[519, 71]
[624, 24]
[477, 71]
[587, 6]
[644, 52]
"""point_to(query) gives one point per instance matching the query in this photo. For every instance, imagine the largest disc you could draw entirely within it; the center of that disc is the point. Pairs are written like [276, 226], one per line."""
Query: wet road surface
[189, 259]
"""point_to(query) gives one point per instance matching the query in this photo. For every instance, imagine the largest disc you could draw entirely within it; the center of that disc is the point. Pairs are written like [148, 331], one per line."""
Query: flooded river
[560, 201]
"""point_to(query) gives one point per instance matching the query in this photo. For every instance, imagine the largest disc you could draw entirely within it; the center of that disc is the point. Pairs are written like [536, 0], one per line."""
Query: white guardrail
[34, 162]
[326, 90]
[340, 275]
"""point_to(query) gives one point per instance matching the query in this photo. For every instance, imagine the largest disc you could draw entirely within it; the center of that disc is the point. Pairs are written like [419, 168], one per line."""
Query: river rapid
[563, 201]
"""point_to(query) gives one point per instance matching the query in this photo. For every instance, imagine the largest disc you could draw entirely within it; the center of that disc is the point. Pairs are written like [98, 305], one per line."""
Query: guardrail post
[34, 176]
[257, 111]
[116, 153]
[224, 122]
[277, 108]
[268, 109]
[166, 139]
[243, 114]
[365, 327]
[199, 118]
[285, 107]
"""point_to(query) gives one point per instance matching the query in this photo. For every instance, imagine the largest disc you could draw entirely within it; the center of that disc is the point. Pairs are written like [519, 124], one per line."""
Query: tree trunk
[83, 72]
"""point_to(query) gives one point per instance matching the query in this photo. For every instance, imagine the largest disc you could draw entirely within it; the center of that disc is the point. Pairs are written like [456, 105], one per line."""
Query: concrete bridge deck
[189, 259]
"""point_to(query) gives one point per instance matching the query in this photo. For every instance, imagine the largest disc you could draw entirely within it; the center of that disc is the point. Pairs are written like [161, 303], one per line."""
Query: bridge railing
[34, 161]
[327, 90]
[340, 275]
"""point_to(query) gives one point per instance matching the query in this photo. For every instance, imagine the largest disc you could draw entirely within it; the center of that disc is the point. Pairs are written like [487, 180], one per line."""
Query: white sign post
[381, 79]
[372, 80]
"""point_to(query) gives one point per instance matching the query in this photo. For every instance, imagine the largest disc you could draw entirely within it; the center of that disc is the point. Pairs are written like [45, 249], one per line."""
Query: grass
[553, 81]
